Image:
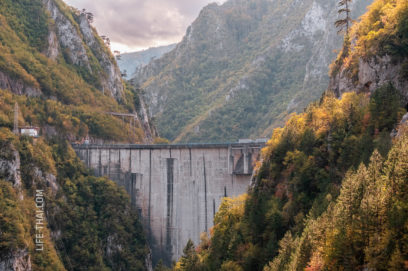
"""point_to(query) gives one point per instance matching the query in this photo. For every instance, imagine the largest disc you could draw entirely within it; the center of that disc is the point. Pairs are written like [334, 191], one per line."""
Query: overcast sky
[133, 25]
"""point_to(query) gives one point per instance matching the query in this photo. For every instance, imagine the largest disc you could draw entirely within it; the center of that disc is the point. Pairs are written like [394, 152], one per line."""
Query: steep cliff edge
[242, 68]
[377, 54]
[83, 48]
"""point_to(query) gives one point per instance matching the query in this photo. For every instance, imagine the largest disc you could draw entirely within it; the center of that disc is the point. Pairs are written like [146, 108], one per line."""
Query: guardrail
[169, 146]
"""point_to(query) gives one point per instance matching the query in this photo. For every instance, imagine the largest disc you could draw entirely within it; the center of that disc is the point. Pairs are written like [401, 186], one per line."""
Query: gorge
[328, 189]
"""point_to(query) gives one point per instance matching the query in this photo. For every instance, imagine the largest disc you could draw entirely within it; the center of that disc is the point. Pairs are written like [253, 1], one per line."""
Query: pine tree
[189, 261]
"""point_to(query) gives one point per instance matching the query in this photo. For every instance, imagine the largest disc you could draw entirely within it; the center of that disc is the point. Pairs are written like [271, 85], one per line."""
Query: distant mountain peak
[130, 62]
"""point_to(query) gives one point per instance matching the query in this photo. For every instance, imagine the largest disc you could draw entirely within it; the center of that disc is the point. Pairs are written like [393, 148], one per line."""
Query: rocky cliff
[16, 261]
[242, 68]
[376, 54]
[51, 52]
[373, 72]
[81, 46]
[18, 257]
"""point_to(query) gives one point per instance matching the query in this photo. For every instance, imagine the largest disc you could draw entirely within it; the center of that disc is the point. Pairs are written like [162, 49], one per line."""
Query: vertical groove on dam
[191, 163]
[109, 164]
[119, 160]
[205, 196]
[100, 162]
[130, 161]
[88, 162]
[140, 159]
[150, 195]
[132, 189]
[170, 201]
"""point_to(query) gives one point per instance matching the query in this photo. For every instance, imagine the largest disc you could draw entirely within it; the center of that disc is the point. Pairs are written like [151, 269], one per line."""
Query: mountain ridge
[129, 63]
[218, 73]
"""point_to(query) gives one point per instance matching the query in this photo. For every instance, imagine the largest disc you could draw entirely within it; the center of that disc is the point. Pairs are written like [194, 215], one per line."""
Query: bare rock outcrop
[53, 49]
[68, 36]
[111, 79]
[76, 43]
[16, 261]
[10, 165]
[18, 86]
[150, 130]
[372, 73]
[19, 259]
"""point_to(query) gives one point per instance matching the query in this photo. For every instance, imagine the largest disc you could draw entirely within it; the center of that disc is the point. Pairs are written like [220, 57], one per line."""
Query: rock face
[78, 46]
[68, 37]
[18, 261]
[402, 126]
[45, 179]
[10, 165]
[15, 260]
[242, 67]
[111, 79]
[17, 86]
[372, 73]
[10, 171]
[150, 130]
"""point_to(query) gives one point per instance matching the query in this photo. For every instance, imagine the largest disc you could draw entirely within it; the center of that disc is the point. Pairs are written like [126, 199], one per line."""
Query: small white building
[30, 131]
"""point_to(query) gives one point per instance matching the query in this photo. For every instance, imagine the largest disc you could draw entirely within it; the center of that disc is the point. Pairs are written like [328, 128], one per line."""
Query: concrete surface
[177, 189]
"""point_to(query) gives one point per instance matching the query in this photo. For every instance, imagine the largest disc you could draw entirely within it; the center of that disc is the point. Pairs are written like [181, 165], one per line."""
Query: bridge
[177, 189]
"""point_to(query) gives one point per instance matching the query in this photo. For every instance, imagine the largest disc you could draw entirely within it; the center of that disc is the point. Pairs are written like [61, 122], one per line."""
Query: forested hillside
[64, 81]
[88, 222]
[331, 191]
[242, 68]
[52, 55]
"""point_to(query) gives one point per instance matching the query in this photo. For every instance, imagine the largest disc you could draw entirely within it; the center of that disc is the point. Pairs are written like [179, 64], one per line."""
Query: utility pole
[15, 130]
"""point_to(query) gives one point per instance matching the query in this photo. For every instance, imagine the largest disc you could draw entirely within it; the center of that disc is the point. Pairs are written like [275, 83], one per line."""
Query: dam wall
[176, 189]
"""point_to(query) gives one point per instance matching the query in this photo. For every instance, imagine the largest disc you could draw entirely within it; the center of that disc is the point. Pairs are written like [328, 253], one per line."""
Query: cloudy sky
[133, 25]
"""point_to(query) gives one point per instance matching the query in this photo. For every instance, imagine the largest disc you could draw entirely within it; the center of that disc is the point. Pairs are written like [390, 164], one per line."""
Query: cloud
[137, 24]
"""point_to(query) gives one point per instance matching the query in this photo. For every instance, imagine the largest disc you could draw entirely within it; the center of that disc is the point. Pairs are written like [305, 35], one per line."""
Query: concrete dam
[176, 189]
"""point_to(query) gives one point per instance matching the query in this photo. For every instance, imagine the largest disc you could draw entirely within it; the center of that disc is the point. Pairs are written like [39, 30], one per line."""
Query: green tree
[386, 107]
[161, 267]
[189, 261]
